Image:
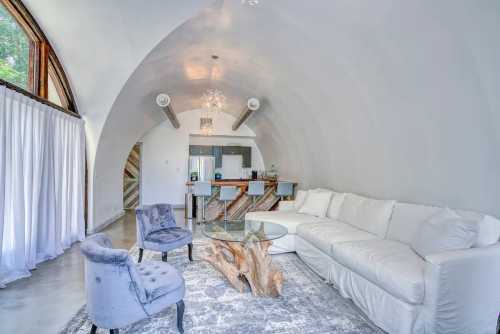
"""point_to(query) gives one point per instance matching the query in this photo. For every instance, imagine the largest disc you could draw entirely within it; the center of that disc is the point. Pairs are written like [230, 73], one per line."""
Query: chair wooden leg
[190, 252]
[180, 315]
[141, 251]
[164, 256]
[93, 330]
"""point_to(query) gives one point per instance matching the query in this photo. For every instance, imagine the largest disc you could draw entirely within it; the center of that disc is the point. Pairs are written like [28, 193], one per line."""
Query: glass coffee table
[239, 250]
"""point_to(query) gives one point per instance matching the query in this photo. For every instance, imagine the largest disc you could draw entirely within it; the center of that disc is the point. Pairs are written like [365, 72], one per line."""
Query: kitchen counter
[236, 182]
[237, 208]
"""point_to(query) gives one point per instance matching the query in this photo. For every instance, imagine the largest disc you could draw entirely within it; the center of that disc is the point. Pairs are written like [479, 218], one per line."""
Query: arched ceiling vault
[391, 99]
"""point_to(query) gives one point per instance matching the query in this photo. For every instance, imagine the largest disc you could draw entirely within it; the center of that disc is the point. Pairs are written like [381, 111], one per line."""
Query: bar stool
[227, 193]
[285, 189]
[202, 189]
[255, 189]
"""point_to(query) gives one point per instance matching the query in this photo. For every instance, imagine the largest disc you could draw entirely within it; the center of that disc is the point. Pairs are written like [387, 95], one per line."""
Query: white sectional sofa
[365, 249]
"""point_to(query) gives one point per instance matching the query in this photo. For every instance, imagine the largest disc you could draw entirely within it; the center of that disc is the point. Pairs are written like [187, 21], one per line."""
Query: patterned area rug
[307, 305]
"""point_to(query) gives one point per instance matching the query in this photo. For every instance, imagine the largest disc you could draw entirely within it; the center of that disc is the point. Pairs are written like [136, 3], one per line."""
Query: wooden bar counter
[236, 182]
[241, 205]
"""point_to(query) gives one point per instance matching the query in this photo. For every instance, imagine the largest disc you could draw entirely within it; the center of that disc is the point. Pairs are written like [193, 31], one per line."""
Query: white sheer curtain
[42, 171]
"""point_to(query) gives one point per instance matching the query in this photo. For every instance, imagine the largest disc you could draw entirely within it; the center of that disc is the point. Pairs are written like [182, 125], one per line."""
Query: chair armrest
[286, 206]
[141, 228]
[462, 293]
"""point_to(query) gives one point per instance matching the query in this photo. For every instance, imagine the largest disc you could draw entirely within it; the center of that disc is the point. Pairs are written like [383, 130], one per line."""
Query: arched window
[28, 62]
[14, 50]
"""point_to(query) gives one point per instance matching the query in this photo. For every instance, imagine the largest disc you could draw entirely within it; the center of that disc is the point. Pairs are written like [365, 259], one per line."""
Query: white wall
[165, 154]
[394, 99]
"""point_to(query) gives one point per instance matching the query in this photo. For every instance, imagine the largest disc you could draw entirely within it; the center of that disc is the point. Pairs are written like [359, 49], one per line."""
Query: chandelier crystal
[206, 126]
[214, 100]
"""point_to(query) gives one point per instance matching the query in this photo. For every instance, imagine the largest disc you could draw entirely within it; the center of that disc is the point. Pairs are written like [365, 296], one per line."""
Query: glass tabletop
[244, 231]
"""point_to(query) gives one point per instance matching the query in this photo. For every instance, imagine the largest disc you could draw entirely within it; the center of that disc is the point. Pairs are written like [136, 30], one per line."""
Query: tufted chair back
[115, 293]
[152, 218]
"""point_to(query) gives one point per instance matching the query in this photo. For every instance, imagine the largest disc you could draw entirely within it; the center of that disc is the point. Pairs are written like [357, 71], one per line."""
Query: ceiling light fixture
[250, 2]
[206, 126]
[214, 100]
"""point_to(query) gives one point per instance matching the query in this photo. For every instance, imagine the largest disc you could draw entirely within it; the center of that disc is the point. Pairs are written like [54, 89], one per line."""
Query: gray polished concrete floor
[46, 301]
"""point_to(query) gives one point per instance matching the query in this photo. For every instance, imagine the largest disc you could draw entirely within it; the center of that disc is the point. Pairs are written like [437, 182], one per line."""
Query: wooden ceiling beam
[172, 117]
[253, 104]
[163, 100]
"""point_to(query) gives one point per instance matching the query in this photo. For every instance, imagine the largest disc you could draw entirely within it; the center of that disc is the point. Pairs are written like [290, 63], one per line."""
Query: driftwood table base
[247, 264]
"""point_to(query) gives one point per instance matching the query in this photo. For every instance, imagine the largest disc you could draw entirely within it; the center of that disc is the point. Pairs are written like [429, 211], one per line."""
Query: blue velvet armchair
[158, 231]
[120, 293]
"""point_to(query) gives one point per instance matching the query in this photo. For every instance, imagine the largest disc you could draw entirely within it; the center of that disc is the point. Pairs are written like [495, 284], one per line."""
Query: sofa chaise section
[290, 219]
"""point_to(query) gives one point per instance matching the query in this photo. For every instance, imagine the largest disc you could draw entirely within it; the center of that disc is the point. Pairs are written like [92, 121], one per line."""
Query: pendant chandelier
[250, 2]
[206, 126]
[214, 100]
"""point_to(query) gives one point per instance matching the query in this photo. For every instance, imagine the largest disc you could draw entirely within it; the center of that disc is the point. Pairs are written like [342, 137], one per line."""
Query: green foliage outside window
[14, 50]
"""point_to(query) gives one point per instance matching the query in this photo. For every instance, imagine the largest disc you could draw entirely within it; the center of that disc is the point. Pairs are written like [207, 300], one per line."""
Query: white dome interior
[390, 99]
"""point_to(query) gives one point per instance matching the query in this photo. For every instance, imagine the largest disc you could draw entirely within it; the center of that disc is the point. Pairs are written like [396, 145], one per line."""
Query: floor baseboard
[106, 223]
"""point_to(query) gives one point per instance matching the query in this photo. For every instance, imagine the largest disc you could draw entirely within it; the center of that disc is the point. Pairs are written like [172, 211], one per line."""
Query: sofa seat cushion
[168, 239]
[323, 235]
[391, 265]
[289, 219]
[159, 279]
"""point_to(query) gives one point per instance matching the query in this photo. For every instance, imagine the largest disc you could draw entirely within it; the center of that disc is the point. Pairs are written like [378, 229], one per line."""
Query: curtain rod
[38, 98]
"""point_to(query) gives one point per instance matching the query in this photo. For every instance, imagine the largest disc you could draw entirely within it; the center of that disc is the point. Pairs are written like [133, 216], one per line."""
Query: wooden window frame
[43, 62]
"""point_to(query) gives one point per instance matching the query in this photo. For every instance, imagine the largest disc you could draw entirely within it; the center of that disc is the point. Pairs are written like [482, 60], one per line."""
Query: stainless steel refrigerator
[203, 165]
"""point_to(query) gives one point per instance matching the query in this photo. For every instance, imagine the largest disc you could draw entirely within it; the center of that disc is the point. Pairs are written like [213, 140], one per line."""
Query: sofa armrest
[286, 206]
[462, 293]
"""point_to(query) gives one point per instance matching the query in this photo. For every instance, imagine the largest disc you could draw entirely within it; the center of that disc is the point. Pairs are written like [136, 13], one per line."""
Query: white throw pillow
[300, 198]
[444, 231]
[335, 206]
[489, 231]
[316, 203]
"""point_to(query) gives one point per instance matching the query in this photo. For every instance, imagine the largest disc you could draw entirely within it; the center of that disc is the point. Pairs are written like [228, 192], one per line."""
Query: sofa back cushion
[368, 214]
[300, 198]
[350, 206]
[335, 205]
[406, 220]
[489, 231]
[443, 232]
[316, 203]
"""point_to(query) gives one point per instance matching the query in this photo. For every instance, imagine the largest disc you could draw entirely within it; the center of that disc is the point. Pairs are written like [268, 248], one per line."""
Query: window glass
[14, 50]
[53, 93]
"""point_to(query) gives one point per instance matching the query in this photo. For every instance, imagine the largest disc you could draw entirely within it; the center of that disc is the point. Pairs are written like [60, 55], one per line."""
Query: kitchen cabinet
[246, 152]
[218, 151]
[231, 150]
[218, 156]
[201, 150]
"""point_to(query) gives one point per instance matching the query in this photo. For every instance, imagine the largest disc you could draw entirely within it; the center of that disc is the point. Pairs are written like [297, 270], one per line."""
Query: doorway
[132, 179]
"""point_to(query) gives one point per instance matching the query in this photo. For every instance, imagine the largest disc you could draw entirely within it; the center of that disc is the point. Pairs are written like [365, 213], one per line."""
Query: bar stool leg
[225, 210]
[203, 209]
[202, 220]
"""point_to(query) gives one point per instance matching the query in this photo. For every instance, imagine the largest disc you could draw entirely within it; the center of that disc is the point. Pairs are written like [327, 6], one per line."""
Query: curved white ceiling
[389, 98]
